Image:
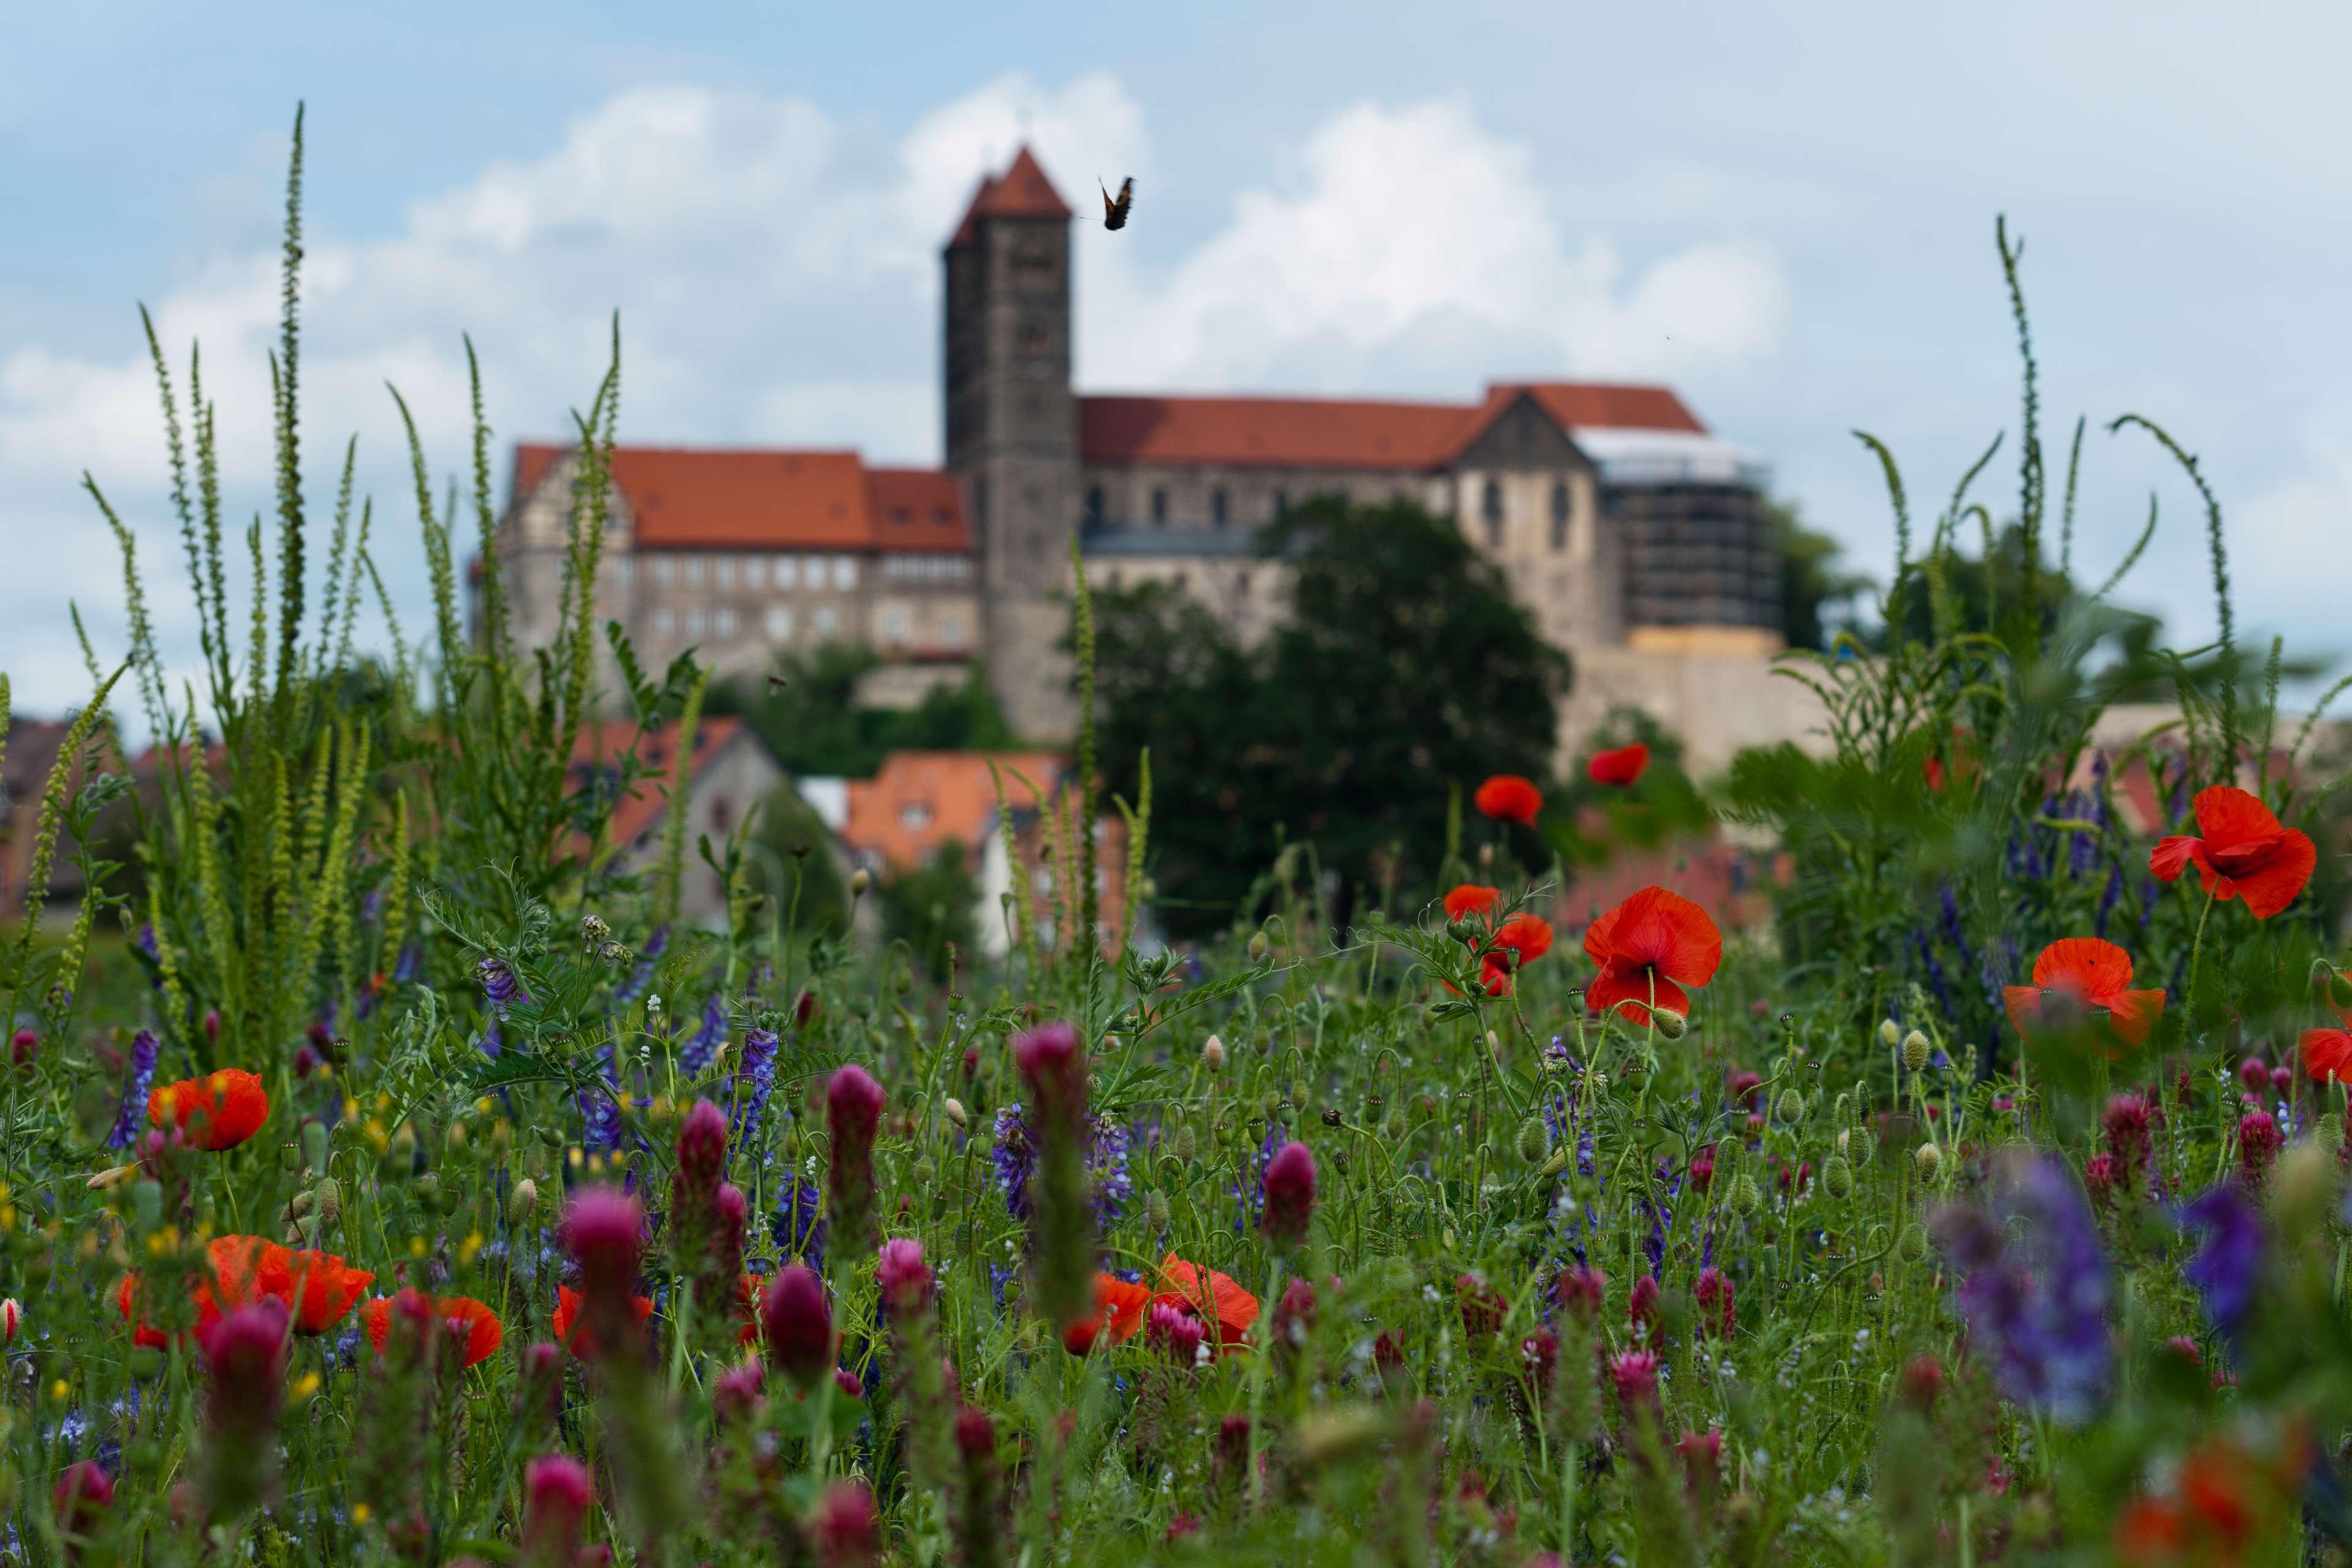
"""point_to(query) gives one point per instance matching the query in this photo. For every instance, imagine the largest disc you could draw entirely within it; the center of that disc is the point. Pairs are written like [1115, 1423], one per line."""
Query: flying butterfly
[1115, 211]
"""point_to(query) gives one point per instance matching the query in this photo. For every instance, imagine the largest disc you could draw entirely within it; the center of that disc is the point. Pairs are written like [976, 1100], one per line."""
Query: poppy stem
[2196, 955]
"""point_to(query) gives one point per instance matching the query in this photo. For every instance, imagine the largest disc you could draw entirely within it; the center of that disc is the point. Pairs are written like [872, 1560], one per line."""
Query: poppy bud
[1837, 1178]
[1534, 1141]
[799, 1325]
[1911, 1246]
[955, 1113]
[859, 881]
[1670, 1023]
[1914, 1051]
[12, 1317]
[1746, 1195]
[1890, 1032]
[520, 1202]
[1155, 1209]
[1792, 1105]
[1213, 1054]
[1927, 1157]
[1289, 1195]
[1259, 947]
[557, 1490]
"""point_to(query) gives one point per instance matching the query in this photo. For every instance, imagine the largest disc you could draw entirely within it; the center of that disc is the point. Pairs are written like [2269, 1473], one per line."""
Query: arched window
[1559, 506]
[1159, 503]
[1217, 506]
[1490, 507]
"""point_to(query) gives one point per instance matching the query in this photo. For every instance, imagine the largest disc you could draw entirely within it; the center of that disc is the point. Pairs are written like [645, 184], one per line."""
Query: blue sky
[1785, 211]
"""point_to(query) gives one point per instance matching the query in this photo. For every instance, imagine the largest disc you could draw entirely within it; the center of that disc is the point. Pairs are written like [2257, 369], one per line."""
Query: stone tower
[1012, 431]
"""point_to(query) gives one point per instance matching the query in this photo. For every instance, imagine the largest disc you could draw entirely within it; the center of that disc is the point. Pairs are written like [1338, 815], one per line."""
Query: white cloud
[775, 268]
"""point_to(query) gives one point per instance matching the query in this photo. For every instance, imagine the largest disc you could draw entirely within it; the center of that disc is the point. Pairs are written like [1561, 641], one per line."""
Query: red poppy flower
[219, 1111]
[319, 1288]
[142, 1333]
[1623, 766]
[1529, 936]
[1212, 1297]
[1119, 1306]
[2086, 973]
[484, 1333]
[1470, 898]
[1507, 797]
[1648, 948]
[2243, 853]
[567, 1313]
[2327, 1055]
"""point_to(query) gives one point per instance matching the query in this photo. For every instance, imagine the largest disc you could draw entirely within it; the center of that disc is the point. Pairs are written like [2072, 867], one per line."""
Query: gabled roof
[742, 499]
[918, 801]
[1022, 191]
[601, 745]
[1351, 433]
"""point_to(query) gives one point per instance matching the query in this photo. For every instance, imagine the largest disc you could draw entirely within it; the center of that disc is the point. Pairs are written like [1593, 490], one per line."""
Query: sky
[1785, 211]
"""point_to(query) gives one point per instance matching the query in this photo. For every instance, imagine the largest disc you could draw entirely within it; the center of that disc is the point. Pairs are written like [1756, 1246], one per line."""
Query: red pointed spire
[1023, 190]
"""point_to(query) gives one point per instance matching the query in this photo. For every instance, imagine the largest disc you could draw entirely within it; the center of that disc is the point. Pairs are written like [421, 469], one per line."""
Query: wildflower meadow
[387, 1177]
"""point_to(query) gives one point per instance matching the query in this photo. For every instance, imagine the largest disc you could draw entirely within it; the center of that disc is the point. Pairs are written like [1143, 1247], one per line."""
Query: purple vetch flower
[405, 968]
[642, 977]
[491, 1044]
[2036, 1307]
[755, 1079]
[2227, 1267]
[2108, 896]
[1252, 1197]
[135, 1085]
[600, 1112]
[1016, 1159]
[499, 982]
[1927, 962]
[704, 1043]
[799, 1225]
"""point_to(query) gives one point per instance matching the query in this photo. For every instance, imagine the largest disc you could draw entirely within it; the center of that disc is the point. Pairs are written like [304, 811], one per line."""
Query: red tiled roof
[1346, 433]
[916, 509]
[686, 499]
[1285, 432]
[918, 801]
[600, 745]
[1022, 191]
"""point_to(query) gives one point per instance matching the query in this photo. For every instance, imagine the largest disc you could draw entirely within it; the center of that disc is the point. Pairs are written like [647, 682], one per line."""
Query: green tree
[933, 905]
[1817, 594]
[793, 864]
[810, 715]
[1406, 669]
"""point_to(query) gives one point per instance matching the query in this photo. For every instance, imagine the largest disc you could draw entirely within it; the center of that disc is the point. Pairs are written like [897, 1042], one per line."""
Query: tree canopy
[811, 717]
[1406, 669]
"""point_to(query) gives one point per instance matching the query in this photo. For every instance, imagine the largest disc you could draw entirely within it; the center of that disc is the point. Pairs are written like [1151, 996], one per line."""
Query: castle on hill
[1637, 540]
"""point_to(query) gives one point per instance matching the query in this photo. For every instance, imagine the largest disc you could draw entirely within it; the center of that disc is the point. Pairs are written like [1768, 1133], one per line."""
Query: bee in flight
[1115, 211]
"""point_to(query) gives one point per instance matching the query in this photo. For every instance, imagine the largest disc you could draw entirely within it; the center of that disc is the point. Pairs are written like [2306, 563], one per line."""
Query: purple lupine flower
[799, 1225]
[2037, 1308]
[2228, 1265]
[704, 1043]
[371, 904]
[1661, 1210]
[405, 968]
[755, 1079]
[1251, 1196]
[1936, 980]
[142, 1077]
[1107, 1166]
